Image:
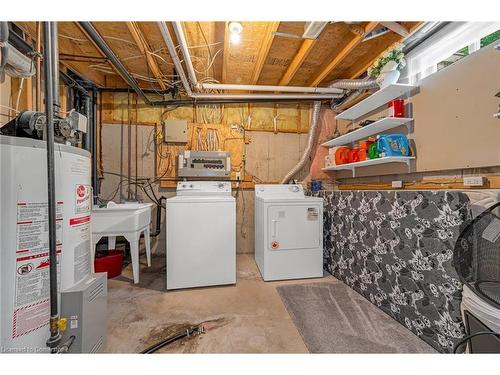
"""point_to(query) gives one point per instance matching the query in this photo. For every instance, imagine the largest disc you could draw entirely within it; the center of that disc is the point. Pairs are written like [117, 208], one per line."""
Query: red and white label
[31, 306]
[82, 199]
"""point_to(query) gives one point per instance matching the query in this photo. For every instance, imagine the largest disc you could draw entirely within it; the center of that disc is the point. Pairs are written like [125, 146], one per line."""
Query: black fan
[477, 262]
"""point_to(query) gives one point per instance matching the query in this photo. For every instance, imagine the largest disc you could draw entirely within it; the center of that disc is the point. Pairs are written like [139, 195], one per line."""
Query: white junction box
[175, 131]
[474, 181]
[288, 233]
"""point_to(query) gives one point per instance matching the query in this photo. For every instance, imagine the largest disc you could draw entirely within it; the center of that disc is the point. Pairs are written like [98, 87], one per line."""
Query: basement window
[449, 45]
[465, 51]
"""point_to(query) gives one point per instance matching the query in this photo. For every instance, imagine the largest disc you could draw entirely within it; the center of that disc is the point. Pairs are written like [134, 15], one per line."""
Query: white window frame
[423, 60]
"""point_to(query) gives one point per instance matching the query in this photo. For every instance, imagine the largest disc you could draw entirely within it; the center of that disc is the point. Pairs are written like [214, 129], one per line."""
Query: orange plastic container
[354, 155]
[342, 155]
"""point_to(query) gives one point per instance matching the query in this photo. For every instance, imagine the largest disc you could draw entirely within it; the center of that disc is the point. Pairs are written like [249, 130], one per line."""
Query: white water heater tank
[24, 271]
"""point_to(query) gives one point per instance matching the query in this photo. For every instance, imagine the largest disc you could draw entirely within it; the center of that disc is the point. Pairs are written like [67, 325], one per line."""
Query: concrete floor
[248, 317]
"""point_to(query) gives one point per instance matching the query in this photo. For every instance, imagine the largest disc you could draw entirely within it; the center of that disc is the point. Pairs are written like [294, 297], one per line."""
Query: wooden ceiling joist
[295, 64]
[144, 47]
[341, 55]
[264, 51]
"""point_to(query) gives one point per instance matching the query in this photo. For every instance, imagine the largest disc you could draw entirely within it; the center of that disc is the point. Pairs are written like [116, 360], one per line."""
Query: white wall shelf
[368, 130]
[376, 100]
[366, 163]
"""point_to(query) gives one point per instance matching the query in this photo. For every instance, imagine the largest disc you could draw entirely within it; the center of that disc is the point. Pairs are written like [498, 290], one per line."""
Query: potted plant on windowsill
[386, 69]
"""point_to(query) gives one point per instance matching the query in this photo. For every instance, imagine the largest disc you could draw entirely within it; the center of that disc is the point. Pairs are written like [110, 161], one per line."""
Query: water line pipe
[185, 51]
[271, 88]
[51, 80]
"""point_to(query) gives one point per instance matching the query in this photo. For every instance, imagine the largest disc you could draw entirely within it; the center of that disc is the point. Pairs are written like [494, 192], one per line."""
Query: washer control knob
[184, 186]
[220, 185]
[295, 189]
[191, 186]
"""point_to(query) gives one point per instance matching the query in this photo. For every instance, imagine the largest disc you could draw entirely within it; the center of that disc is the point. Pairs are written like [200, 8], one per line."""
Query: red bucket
[110, 263]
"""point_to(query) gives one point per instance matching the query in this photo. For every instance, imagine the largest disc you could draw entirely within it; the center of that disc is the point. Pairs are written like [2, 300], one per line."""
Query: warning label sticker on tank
[80, 237]
[31, 301]
[32, 293]
[32, 227]
[83, 195]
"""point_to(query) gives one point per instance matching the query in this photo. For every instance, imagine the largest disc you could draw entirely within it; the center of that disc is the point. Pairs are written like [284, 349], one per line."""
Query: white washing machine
[201, 235]
[288, 233]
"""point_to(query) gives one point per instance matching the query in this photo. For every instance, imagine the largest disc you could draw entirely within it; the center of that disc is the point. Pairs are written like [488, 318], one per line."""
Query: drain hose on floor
[169, 340]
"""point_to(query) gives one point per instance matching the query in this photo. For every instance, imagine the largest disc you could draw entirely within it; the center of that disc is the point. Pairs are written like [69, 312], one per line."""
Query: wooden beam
[297, 61]
[219, 28]
[341, 55]
[264, 51]
[225, 53]
[144, 47]
[363, 66]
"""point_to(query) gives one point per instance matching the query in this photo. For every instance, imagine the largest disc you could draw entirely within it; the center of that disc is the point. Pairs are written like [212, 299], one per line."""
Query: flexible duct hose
[310, 142]
[4, 49]
[348, 84]
[355, 84]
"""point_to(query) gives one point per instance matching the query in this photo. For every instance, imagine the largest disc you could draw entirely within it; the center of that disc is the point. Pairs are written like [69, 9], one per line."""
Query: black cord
[467, 338]
[185, 333]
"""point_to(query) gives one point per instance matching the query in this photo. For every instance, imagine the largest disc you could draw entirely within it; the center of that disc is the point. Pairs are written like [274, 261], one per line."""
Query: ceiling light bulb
[235, 38]
[235, 27]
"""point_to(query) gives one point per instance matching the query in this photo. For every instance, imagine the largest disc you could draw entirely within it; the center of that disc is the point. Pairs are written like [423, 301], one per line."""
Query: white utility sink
[123, 219]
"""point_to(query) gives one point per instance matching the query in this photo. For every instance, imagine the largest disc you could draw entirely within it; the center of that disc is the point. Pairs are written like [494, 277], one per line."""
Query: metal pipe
[99, 41]
[93, 125]
[55, 64]
[38, 67]
[87, 113]
[313, 90]
[268, 96]
[174, 56]
[50, 79]
[185, 51]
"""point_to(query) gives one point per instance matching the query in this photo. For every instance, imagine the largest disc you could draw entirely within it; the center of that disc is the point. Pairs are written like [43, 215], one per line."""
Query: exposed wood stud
[144, 47]
[342, 54]
[264, 51]
[297, 61]
[219, 60]
[225, 53]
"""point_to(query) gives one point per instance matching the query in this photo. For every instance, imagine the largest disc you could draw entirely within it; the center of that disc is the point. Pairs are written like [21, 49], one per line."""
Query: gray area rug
[333, 318]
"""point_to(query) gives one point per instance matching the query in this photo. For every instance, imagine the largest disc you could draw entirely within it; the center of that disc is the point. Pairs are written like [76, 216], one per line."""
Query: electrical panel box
[204, 164]
[175, 131]
[85, 308]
